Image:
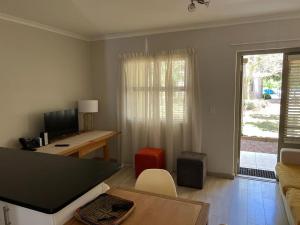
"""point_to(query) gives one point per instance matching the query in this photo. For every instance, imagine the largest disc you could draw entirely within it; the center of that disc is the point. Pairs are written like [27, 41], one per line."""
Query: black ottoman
[191, 169]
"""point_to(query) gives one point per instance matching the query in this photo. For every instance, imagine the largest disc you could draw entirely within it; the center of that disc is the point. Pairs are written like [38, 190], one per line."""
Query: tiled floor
[257, 160]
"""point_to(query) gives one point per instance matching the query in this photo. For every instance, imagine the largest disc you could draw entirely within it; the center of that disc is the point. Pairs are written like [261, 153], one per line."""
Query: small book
[106, 209]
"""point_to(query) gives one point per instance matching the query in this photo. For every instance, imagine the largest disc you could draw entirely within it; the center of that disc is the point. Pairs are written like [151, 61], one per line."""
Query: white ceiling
[96, 18]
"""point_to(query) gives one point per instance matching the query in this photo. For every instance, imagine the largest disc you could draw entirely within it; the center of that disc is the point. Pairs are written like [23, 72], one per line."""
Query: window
[160, 103]
[156, 85]
[178, 88]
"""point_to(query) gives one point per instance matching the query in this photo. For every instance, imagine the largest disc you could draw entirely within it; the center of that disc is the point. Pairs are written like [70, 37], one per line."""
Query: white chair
[157, 181]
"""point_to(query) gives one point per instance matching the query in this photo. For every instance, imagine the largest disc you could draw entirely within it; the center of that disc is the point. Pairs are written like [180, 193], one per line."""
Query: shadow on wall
[33, 124]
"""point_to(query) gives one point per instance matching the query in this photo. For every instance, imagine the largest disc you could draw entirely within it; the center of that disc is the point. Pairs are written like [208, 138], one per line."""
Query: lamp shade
[88, 106]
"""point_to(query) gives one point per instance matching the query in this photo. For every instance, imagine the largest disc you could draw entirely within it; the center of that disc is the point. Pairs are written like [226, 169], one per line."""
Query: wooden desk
[81, 144]
[152, 209]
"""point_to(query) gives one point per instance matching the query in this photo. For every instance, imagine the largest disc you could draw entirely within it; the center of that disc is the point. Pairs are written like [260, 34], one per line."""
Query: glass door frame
[239, 75]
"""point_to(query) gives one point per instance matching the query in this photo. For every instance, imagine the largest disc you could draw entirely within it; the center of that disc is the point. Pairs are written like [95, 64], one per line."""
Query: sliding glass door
[268, 107]
[261, 85]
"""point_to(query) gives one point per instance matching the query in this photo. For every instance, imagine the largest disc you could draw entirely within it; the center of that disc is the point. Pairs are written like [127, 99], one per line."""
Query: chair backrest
[156, 181]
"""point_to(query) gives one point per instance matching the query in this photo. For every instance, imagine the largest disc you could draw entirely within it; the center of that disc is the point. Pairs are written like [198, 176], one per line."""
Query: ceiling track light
[192, 5]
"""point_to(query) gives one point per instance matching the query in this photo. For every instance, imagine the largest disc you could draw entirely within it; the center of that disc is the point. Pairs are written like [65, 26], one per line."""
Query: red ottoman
[149, 158]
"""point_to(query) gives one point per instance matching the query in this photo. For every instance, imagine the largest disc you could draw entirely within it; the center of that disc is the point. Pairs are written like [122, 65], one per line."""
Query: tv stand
[81, 144]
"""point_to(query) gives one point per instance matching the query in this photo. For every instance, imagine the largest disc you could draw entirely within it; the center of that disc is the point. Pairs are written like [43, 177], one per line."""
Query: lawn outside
[261, 118]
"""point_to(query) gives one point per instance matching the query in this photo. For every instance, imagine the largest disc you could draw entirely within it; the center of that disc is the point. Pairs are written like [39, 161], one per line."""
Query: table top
[47, 183]
[76, 142]
[153, 209]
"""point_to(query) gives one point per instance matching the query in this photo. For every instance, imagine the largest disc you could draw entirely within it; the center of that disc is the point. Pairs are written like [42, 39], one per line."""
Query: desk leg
[106, 152]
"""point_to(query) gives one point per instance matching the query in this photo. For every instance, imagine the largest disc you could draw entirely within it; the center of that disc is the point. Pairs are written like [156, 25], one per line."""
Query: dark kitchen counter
[47, 183]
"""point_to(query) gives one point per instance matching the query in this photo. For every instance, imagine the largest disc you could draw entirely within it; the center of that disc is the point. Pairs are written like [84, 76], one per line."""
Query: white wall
[216, 62]
[40, 71]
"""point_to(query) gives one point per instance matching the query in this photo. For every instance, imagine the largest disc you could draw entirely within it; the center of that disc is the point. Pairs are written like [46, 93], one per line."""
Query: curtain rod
[189, 50]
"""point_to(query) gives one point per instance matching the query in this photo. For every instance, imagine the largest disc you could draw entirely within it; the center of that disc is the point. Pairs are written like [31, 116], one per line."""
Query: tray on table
[100, 211]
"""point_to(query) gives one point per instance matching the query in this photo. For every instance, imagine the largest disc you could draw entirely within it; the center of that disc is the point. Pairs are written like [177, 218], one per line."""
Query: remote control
[61, 145]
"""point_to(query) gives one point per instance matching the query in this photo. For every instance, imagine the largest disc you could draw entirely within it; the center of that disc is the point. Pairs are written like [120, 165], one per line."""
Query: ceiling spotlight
[192, 5]
[204, 2]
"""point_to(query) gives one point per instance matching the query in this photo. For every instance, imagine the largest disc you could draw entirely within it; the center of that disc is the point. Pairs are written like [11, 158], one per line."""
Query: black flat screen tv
[61, 123]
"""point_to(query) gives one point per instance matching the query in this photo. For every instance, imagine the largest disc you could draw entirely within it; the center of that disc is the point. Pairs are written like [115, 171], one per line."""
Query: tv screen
[61, 123]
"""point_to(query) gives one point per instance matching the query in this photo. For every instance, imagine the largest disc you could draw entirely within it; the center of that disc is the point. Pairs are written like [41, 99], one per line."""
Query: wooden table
[81, 144]
[153, 209]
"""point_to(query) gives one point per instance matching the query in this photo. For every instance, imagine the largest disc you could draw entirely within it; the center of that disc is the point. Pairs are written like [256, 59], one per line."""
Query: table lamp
[88, 107]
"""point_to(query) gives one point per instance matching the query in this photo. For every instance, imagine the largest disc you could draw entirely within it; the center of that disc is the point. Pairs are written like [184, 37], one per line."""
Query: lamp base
[88, 121]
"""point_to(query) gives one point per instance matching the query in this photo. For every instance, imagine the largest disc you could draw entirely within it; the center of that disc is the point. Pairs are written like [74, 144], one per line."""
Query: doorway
[261, 85]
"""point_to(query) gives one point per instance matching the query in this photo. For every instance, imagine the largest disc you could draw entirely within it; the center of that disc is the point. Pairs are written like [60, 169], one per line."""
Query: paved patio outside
[258, 153]
[256, 160]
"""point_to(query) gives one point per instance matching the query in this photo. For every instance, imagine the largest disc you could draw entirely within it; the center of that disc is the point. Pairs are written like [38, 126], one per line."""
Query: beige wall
[40, 71]
[216, 62]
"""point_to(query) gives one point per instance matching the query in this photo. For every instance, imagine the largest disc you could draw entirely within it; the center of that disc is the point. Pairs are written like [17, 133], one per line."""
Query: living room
[56, 53]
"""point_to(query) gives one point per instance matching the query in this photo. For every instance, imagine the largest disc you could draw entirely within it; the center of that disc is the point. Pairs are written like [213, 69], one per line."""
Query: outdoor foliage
[265, 69]
[268, 66]
[272, 82]
[267, 96]
[254, 104]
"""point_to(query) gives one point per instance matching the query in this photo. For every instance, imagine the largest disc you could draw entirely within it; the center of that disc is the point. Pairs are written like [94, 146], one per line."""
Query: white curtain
[160, 104]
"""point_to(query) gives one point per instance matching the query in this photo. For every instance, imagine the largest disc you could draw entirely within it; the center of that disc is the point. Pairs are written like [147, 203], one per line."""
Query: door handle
[6, 215]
